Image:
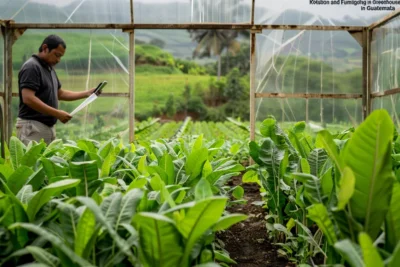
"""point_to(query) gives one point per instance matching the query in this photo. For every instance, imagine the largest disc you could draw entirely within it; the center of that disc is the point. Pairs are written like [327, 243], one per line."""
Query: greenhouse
[229, 133]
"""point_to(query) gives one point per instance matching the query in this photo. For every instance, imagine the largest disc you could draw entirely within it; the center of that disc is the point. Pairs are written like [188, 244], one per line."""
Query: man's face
[53, 57]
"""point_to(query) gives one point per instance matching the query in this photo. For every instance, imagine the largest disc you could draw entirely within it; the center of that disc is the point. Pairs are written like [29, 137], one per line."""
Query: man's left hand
[91, 91]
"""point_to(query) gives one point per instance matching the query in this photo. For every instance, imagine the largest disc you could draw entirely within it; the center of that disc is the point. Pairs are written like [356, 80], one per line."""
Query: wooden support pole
[131, 86]
[8, 76]
[365, 60]
[369, 71]
[252, 86]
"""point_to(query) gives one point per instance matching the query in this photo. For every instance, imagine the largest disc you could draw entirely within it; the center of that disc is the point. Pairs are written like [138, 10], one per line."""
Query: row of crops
[330, 198]
[89, 204]
[334, 198]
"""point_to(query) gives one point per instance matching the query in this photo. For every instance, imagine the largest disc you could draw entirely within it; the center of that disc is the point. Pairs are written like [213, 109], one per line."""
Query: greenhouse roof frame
[363, 34]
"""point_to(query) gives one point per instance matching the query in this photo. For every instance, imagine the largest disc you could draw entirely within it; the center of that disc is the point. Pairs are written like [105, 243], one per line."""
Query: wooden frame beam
[384, 20]
[385, 93]
[139, 26]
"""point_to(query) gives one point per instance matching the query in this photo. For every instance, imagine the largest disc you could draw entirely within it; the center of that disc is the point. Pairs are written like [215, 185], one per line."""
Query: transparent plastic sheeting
[308, 62]
[303, 12]
[66, 11]
[391, 104]
[94, 123]
[385, 56]
[118, 11]
[91, 57]
[321, 112]
[192, 11]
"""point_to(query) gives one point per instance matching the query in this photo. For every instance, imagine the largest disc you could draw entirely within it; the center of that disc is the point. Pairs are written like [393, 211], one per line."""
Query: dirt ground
[247, 242]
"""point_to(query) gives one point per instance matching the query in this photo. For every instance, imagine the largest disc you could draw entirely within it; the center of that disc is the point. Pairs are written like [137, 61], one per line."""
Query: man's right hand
[63, 116]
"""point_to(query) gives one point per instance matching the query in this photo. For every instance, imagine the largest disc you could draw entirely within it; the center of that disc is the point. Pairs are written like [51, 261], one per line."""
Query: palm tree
[214, 42]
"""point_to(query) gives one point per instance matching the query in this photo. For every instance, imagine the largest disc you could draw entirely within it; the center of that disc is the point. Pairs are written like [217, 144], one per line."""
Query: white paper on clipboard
[84, 104]
[91, 98]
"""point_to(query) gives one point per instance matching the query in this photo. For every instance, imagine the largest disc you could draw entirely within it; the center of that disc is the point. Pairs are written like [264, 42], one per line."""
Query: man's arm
[71, 96]
[31, 100]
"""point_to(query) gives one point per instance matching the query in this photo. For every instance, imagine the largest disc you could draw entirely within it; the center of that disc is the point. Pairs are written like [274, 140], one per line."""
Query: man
[39, 92]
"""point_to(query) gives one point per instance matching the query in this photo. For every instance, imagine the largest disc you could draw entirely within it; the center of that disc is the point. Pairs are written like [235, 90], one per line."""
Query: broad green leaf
[350, 252]
[167, 165]
[32, 155]
[238, 192]
[317, 159]
[156, 170]
[370, 253]
[254, 151]
[395, 260]
[53, 169]
[201, 217]
[327, 182]
[18, 179]
[195, 162]
[198, 144]
[346, 189]
[299, 127]
[324, 140]
[120, 242]
[107, 163]
[84, 231]
[87, 146]
[106, 148]
[87, 172]
[207, 169]
[110, 207]
[267, 128]
[223, 258]
[45, 194]
[368, 155]
[271, 156]
[16, 152]
[36, 179]
[18, 213]
[56, 145]
[42, 256]
[250, 177]
[203, 190]
[6, 171]
[313, 189]
[319, 214]
[226, 168]
[54, 240]
[305, 167]
[25, 194]
[227, 221]
[142, 165]
[129, 204]
[392, 222]
[235, 148]
[159, 240]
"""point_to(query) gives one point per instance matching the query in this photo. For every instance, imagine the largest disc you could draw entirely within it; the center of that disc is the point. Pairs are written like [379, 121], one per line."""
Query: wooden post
[132, 79]
[369, 71]
[8, 69]
[131, 86]
[365, 73]
[252, 86]
[252, 77]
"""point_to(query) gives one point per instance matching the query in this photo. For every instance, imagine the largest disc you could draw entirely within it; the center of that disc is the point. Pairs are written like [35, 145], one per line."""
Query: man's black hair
[52, 41]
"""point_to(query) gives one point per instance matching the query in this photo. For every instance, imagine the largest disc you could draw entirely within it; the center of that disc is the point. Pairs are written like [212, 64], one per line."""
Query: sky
[327, 11]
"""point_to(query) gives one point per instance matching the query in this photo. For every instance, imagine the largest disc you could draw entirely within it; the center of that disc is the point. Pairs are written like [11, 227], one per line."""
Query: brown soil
[247, 242]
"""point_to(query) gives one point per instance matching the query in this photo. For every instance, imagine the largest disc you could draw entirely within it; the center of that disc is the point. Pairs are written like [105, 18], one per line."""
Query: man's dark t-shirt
[38, 76]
